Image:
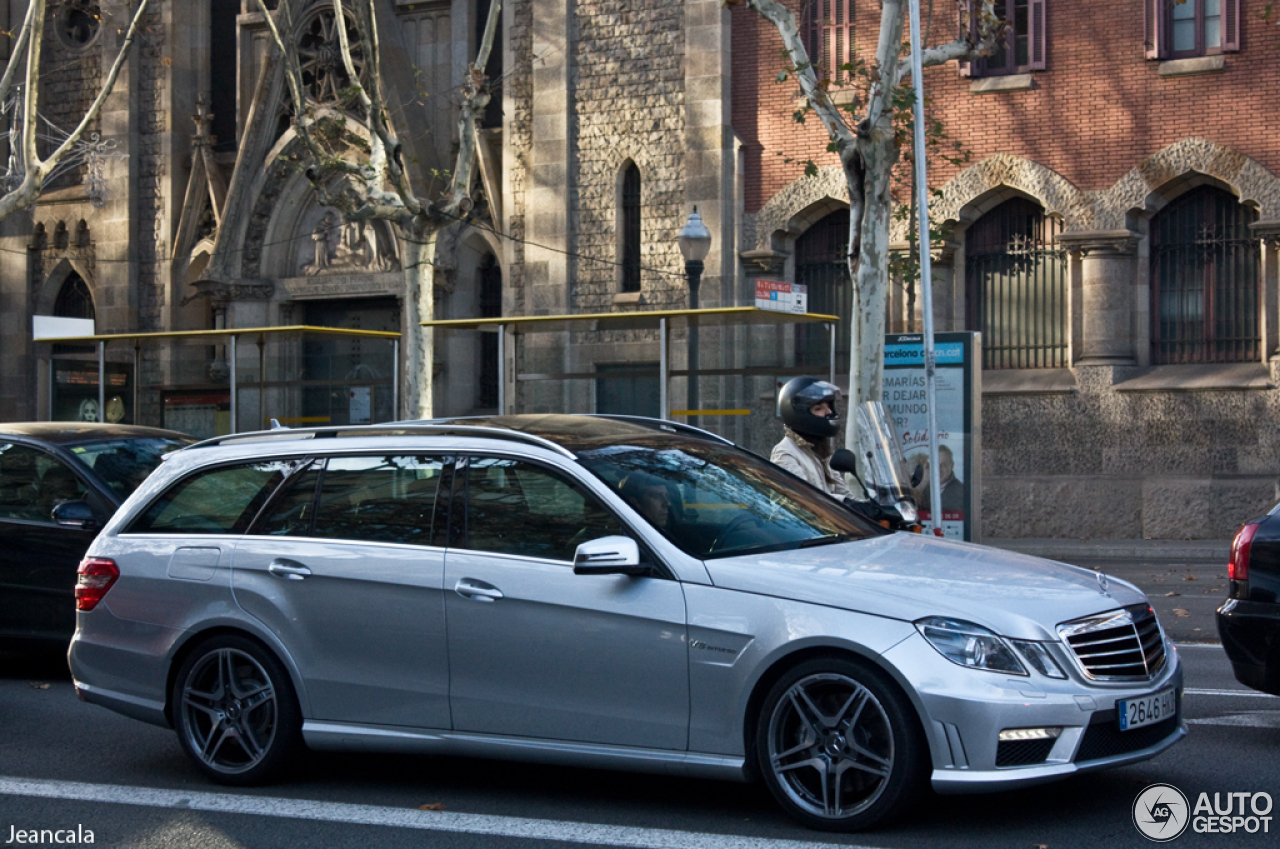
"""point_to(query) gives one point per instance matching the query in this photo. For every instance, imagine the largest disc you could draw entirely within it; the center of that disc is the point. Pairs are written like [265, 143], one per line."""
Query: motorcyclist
[810, 418]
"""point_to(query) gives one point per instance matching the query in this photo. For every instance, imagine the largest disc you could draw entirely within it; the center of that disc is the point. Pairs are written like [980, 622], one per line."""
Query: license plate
[1148, 710]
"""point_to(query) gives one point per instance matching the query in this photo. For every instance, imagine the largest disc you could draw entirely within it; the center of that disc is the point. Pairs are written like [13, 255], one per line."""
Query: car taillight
[1238, 567]
[95, 577]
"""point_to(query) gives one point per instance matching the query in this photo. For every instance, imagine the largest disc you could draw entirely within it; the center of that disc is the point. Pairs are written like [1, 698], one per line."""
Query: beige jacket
[799, 456]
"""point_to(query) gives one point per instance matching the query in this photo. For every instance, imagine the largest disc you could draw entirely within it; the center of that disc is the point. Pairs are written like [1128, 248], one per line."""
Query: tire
[235, 711]
[839, 746]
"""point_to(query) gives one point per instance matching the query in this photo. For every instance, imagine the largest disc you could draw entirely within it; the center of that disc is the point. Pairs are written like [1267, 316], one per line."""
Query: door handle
[477, 591]
[290, 570]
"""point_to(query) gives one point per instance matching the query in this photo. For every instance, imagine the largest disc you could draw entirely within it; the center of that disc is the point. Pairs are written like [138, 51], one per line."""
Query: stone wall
[629, 77]
[1109, 461]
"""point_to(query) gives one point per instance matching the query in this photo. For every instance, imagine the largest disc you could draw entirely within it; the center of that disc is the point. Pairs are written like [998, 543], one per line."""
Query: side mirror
[616, 555]
[76, 514]
[917, 475]
[844, 460]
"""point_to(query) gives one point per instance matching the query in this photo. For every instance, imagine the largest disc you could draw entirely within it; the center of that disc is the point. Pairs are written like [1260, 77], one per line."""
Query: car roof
[61, 433]
[579, 431]
[564, 433]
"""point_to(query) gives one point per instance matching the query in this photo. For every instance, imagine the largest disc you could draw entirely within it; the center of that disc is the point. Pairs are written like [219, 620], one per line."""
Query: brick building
[1112, 237]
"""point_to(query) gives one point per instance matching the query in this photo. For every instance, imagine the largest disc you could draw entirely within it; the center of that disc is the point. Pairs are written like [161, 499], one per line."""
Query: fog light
[1029, 733]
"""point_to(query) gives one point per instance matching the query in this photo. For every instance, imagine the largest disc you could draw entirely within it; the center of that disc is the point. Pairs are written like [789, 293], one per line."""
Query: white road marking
[306, 809]
[1248, 694]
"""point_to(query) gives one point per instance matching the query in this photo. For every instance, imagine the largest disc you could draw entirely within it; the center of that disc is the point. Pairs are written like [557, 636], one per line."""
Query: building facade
[1112, 235]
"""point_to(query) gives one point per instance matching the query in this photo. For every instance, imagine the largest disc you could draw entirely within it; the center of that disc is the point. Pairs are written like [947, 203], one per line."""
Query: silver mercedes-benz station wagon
[599, 592]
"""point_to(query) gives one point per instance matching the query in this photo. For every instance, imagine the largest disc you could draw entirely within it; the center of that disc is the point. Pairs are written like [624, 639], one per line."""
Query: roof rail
[338, 431]
[663, 424]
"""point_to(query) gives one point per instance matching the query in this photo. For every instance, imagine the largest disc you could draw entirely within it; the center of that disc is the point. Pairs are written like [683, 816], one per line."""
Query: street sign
[780, 296]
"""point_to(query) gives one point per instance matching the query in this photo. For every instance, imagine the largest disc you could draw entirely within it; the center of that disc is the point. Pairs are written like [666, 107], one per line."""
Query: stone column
[1108, 265]
[1269, 308]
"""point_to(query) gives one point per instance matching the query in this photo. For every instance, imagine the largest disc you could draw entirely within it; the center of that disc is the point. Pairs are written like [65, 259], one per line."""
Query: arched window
[630, 229]
[74, 299]
[1204, 281]
[1015, 284]
[822, 264]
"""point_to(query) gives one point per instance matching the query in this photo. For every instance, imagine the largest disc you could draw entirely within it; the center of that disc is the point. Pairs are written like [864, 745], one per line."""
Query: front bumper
[964, 711]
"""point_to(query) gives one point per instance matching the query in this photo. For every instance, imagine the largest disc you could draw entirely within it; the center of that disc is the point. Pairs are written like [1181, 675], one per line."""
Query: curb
[1072, 550]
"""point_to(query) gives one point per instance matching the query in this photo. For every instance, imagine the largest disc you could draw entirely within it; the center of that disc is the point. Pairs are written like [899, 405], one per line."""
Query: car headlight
[969, 645]
[1037, 654]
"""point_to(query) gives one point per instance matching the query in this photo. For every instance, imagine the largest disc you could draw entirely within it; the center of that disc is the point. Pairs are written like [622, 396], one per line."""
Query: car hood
[908, 576]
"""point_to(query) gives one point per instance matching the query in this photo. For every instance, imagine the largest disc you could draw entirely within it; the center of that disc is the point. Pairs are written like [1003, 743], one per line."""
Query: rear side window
[32, 483]
[375, 499]
[521, 508]
[222, 500]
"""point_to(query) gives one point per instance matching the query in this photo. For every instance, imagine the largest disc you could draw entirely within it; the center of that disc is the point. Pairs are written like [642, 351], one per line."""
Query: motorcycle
[889, 500]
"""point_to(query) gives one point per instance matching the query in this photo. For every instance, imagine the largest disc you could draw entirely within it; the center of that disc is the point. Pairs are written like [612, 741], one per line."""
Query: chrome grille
[1121, 645]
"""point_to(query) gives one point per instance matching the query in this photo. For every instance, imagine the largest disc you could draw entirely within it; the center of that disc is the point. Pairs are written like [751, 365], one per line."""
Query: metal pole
[693, 269]
[137, 375]
[664, 408]
[102, 381]
[231, 351]
[926, 271]
[395, 379]
[262, 379]
[831, 368]
[502, 369]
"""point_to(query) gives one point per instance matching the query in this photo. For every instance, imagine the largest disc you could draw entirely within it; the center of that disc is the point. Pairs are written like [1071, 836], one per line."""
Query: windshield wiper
[825, 540]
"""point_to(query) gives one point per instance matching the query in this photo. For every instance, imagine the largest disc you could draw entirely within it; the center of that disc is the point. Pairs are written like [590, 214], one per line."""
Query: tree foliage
[868, 130]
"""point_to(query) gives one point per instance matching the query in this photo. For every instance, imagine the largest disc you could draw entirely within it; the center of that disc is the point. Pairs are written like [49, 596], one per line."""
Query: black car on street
[59, 483]
[1249, 620]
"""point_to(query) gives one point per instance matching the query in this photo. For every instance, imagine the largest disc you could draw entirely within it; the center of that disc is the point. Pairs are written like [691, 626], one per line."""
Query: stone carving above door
[338, 247]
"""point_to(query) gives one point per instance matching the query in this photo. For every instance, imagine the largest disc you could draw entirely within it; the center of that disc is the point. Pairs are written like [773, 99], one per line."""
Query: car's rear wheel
[235, 711]
[839, 746]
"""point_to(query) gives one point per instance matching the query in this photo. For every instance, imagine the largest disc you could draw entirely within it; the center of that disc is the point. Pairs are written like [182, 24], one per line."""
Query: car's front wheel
[839, 746]
[235, 711]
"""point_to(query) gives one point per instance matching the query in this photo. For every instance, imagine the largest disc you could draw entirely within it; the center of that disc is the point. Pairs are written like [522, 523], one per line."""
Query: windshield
[123, 464]
[717, 501]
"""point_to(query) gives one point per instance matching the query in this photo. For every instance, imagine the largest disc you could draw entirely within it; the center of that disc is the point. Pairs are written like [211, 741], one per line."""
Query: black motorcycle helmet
[798, 396]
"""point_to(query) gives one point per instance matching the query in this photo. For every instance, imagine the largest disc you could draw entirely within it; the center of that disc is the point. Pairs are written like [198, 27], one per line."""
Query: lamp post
[695, 242]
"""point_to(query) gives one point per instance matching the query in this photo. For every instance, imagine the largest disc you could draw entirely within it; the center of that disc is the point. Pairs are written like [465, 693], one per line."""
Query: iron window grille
[822, 264]
[1204, 281]
[1015, 278]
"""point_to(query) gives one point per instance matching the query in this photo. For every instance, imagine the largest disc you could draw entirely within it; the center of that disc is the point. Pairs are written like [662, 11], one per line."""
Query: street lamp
[695, 242]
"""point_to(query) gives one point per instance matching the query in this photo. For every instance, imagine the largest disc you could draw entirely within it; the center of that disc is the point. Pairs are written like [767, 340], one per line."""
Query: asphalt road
[65, 764]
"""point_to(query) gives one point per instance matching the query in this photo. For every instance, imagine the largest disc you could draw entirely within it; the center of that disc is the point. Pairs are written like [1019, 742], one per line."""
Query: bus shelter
[509, 330]
[206, 382]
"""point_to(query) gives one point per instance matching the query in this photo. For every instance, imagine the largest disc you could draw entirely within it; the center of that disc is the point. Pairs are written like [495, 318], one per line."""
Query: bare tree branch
[31, 40]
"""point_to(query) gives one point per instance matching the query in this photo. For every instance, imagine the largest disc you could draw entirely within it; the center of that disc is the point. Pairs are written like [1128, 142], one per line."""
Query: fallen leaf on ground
[38, 685]
[1178, 611]
[1168, 595]
[432, 806]
[1188, 577]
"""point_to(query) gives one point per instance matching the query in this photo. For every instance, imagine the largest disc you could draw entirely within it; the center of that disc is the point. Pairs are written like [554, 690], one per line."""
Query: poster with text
[905, 401]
